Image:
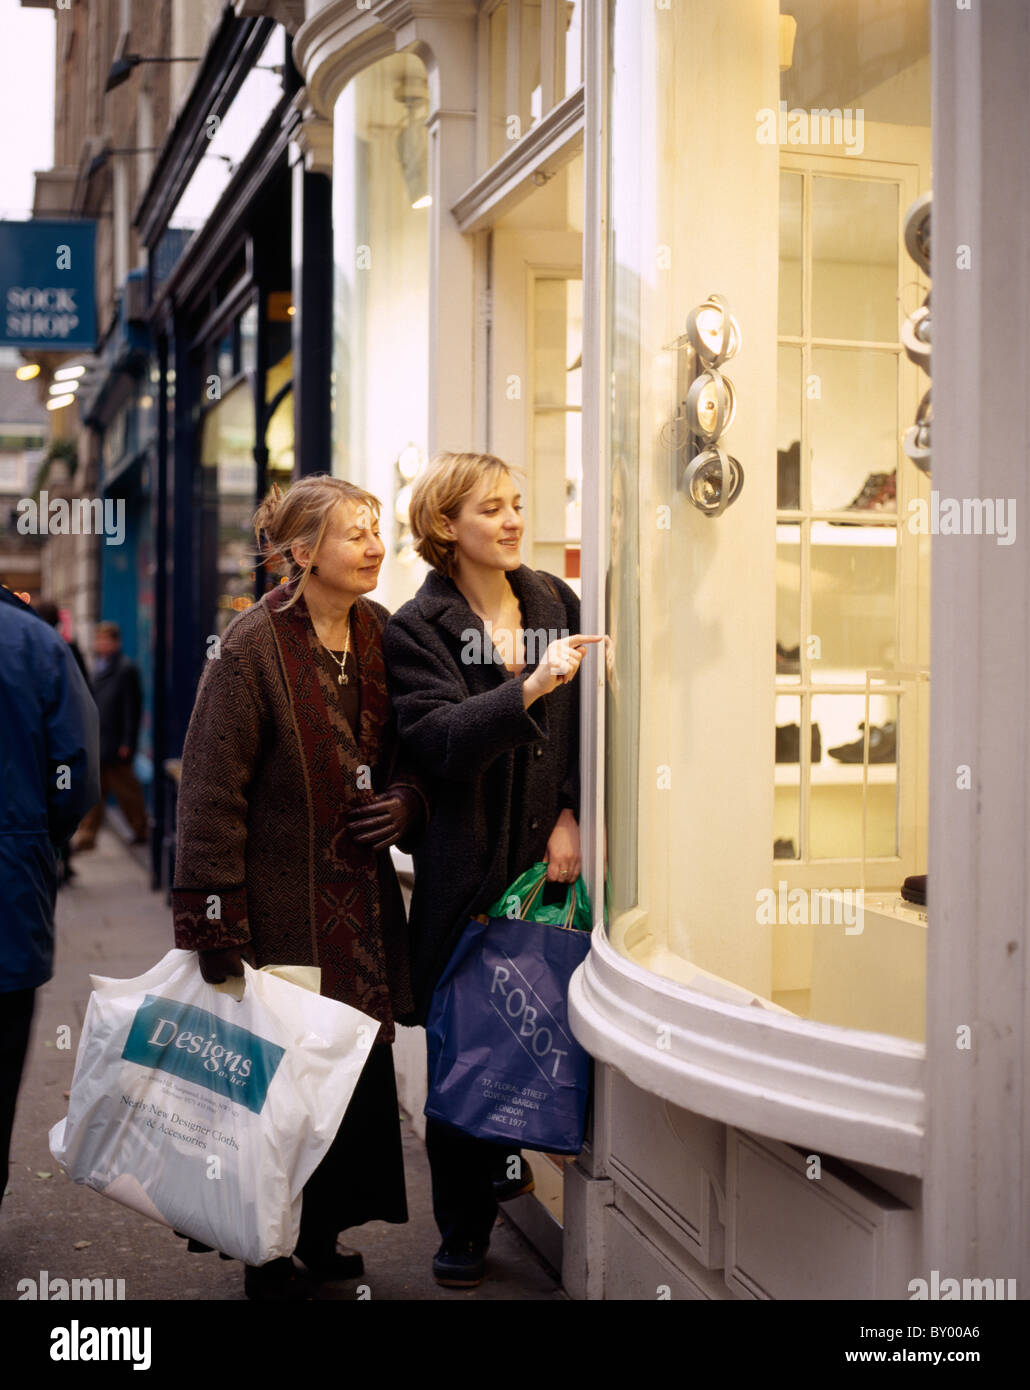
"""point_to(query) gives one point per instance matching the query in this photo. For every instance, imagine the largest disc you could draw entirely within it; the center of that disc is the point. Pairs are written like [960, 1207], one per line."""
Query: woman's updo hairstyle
[439, 494]
[300, 516]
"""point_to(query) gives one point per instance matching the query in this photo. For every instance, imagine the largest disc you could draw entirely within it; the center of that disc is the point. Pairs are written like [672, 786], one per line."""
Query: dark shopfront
[229, 330]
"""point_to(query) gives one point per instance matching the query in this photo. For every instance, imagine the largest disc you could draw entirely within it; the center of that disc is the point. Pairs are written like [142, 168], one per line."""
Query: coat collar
[440, 601]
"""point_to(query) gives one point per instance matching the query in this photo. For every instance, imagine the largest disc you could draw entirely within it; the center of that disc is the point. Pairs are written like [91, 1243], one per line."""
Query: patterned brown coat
[270, 768]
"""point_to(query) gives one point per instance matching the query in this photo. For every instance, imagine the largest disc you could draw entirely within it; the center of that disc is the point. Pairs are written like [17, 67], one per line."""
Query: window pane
[381, 298]
[854, 429]
[788, 428]
[854, 603]
[855, 248]
[790, 254]
[835, 827]
[572, 12]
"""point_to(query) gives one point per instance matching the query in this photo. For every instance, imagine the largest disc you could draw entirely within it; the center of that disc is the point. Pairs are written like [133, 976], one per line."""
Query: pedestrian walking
[291, 795]
[119, 696]
[49, 749]
[497, 737]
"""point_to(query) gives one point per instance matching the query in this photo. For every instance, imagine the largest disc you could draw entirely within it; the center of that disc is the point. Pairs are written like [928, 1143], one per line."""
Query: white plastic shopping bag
[206, 1113]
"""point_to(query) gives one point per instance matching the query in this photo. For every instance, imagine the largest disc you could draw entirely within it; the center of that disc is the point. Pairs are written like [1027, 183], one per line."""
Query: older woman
[496, 735]
[291, 794]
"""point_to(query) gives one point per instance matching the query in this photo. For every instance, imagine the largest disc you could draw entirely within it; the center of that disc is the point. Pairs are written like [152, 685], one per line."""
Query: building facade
[799, 1073]
[672, 260]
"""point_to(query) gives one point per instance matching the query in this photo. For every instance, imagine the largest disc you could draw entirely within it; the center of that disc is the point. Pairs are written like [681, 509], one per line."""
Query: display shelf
[825, 774]
[883, 532]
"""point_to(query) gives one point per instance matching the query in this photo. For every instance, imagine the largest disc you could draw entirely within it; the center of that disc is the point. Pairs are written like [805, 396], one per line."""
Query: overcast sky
[26, 103]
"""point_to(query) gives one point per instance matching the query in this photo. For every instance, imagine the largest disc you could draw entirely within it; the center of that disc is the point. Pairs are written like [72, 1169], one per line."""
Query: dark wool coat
[270, 769]
[499, 775]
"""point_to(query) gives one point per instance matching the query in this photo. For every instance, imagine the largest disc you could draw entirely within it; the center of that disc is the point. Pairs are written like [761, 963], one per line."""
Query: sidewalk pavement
[109, 922]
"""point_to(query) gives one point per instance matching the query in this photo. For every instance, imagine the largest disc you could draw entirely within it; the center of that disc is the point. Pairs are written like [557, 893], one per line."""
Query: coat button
[534, 823]
[538, 751]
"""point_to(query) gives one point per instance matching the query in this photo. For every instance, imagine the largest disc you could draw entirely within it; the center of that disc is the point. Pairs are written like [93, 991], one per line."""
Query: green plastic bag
[524, 900]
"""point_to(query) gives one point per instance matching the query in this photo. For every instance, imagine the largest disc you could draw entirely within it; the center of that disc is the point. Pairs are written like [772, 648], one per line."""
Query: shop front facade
[671, 260]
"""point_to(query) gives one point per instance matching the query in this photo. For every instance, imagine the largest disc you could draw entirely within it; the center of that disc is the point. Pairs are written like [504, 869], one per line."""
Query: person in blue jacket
[49, 779]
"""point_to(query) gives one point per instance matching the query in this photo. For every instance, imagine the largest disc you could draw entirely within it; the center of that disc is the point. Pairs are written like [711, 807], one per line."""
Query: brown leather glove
[382, 822]
[220, 962]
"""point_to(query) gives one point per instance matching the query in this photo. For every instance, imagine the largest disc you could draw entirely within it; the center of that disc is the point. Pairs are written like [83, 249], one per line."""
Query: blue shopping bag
[503, 1064]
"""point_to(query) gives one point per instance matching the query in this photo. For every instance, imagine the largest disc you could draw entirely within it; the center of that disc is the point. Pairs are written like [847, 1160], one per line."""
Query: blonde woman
[480, 665]
[291, 795]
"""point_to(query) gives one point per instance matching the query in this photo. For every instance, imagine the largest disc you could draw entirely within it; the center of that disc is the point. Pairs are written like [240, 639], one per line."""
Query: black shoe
[883, 745]
[279, 1281]
[505, 1189]
[460, 1264]
[785, 849]
[332, 1265]
[788, 743]
[913, 890]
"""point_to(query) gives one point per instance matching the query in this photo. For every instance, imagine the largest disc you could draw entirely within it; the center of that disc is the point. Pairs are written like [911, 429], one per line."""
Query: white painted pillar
[977, 1197]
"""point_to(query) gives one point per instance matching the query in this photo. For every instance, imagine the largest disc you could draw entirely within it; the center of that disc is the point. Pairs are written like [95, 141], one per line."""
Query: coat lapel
[441, 601]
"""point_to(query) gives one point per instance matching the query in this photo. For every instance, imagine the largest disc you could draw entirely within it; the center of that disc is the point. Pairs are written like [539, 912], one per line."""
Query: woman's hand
[220, 962]
[562, 855]
[558, 666]
[384, 821]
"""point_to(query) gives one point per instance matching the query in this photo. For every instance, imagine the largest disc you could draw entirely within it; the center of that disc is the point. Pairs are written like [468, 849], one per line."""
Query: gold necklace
[342, 678]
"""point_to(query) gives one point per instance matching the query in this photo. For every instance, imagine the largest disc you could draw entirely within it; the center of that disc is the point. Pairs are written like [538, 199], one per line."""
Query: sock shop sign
[47, 284]
[196, 1046]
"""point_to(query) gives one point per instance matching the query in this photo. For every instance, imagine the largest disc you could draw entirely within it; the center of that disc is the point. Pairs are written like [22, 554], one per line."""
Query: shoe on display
[883, 743]
[788, 660]
[785, 849]
[879, 494]
[788, 743]
[913, 890]
[460, 1264]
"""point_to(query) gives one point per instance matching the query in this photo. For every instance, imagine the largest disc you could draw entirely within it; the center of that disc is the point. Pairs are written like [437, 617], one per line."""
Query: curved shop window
[380, 374]
[768, 587]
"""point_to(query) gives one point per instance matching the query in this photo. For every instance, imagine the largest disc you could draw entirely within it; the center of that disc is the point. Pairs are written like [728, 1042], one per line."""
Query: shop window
[228, 484]
[751, 826]
[380, 368]
[279, 435]
[534, 53]
[557, 426]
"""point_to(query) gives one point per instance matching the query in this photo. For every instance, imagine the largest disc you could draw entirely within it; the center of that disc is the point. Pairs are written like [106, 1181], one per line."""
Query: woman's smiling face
[488, 529]
[351, 553]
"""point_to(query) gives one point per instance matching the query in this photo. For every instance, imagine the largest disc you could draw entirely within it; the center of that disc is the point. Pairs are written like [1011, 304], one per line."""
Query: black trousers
[361, 1177]
[16, 1007]
[463, 1171]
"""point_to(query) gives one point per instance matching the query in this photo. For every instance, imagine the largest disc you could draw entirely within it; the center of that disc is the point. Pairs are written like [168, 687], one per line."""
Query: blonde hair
[300, 516]
[439, 495]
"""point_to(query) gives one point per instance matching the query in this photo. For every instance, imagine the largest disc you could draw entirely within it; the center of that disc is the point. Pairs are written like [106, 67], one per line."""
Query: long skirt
[361, 1177]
